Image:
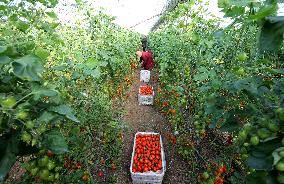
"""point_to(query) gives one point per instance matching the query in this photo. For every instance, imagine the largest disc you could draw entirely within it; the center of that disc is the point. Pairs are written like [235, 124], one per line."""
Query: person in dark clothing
[147, 59]
[144, 43]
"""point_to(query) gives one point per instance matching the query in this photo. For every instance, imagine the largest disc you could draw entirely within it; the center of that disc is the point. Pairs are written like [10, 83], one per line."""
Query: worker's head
[139, 54]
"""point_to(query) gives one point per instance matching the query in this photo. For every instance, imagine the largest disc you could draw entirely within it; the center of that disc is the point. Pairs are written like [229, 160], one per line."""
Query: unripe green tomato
[242, 56]
[240, 71]
[254, 140]
[30, 124]
[56, 176]
[263, 133]
[9, 102]
[205, 175]
[244, 156]
[280, 165]
[243, 135]
[264, 122]
[34, 171]
[22, 115]
[50, 165]
[246, 144]
[41, 129]
[281, 154]
[273, 126]
[280, 178]
[43, 161]
[50, 177]
[196, 123]
[34, 142]
[280, 113]
[58, 168]
[44, 174]
[247, 128]
[26, 137]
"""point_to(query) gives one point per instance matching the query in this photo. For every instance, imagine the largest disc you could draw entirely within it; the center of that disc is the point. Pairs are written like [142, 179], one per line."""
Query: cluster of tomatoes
[146, 90]
[72, 165]
[218, 175]
[221, 170]
[147, 155]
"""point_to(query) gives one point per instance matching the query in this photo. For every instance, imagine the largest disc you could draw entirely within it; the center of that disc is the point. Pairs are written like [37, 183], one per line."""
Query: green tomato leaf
[6, 162]
[234, 11]
[8, 158]
[28, 68]
[264, 12]
[53, 2]
[271, 36]
[275, 71]
[261, 162]
[200, 77]
[44, 92]
[276, 155]
[21, 25]
[2, 7]
[258, 177]
[3, 49]
[42, 53]
[52, 15]
[60, 67]
[47, 117]
[9, 51]
[55, 141]
[66, 111]
[4, 60]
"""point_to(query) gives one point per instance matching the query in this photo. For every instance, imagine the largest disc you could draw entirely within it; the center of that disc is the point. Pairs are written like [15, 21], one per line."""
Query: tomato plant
[225, 81]
[57, 84]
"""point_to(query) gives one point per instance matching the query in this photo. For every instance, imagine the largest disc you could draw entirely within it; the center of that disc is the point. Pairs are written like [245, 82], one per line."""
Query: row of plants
[59, 84]
[222, 88]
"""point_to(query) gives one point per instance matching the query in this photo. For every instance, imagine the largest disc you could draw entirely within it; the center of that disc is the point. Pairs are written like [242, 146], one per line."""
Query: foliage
[57, 85]
[218, 78]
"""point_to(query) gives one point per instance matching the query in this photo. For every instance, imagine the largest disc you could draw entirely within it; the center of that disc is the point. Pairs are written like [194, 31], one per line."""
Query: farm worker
[146, 58]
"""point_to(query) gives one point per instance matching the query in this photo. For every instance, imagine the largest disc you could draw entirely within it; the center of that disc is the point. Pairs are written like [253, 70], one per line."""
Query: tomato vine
[58, 85]
[225, 80]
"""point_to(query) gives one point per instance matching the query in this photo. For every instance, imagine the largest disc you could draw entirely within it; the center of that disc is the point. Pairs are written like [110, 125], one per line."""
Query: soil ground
[140, 118]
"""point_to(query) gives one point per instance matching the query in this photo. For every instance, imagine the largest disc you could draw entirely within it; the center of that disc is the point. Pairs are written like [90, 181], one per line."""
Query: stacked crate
[145, 92]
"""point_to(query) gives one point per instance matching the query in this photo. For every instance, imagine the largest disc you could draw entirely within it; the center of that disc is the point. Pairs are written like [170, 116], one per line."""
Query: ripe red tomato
[219, 181]
[101, 173]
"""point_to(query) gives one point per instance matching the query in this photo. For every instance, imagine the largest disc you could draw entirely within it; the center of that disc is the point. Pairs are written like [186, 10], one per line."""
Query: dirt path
[147, 118]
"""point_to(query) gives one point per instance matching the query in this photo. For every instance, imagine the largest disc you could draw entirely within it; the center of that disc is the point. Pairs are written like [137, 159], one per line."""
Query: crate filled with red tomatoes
[148, 163]
[146, 95]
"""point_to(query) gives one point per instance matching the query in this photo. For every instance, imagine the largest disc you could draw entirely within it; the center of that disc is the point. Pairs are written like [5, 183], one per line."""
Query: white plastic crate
[149, 177]
[145, 76]
[146, 99]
